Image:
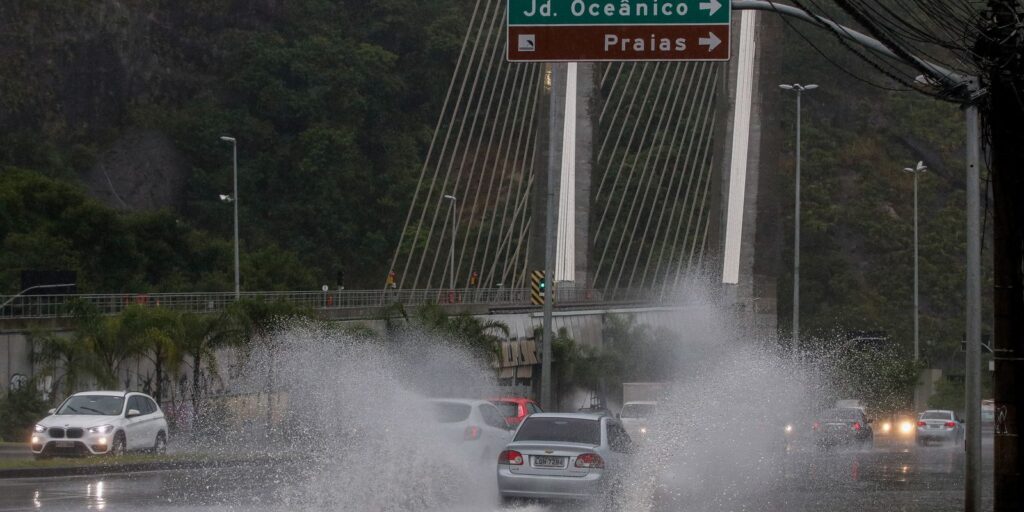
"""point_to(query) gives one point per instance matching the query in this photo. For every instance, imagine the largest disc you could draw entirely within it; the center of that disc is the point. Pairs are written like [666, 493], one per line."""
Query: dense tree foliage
[860, 130]
[332, 102]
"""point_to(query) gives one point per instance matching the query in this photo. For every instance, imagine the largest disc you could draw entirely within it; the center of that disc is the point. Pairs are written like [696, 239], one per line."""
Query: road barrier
[57, 306]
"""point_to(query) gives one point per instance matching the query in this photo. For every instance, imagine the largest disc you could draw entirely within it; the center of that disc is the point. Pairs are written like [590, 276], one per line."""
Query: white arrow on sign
[712, 41]
[712, 7]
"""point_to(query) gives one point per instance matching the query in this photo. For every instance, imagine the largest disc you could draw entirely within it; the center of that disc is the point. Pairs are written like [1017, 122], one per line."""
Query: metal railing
[57, 306]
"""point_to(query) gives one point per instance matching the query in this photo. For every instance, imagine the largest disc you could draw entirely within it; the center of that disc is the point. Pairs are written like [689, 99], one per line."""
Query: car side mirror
[51, 412]
[133, 413]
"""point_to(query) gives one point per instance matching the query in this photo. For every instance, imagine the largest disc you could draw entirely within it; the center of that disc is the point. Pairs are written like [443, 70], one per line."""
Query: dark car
[849, 426]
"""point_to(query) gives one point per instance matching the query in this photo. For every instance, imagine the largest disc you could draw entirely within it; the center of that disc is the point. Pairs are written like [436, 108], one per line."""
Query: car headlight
[39, 429]
[643, 430]
[103, 429]
[886, 427]
[906, 427]
[789, 429]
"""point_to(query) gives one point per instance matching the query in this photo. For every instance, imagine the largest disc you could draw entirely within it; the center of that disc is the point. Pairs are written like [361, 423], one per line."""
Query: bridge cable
[615, 83]
[708, 124]
[433, 139]
[680, 201]
[621, 125]
[685, 108]
[485, 168]
[521, 196]
[505, 113]
[610, 164]
[507, 153]
[444, 147]
[458, 139]
[629, 178]
[646, 178]
[449, 275]
[664, 175]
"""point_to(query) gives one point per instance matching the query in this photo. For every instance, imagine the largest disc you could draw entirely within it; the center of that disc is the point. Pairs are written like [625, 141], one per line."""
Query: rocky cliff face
[141, 171]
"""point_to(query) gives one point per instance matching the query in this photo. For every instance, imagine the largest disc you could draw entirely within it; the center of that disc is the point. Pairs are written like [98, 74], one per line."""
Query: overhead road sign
[627, 30]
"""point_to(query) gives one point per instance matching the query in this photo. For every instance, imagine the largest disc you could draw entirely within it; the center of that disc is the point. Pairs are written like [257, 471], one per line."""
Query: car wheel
[119, 446]
[160, 446]
[509, 501]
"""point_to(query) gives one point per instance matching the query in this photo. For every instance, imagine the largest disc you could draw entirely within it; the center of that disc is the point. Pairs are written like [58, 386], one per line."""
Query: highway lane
[895, 478]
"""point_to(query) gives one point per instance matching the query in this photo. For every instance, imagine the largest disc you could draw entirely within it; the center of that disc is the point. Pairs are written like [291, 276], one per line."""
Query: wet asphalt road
[894, 478]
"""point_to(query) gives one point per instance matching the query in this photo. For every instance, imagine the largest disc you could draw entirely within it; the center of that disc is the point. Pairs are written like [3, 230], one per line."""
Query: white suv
[99, 422]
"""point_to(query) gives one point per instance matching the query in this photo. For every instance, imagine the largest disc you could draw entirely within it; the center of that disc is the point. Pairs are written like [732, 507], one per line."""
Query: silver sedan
[571, 456]
[940, 426]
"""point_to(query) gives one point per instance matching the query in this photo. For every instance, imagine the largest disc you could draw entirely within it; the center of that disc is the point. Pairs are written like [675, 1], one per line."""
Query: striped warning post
[536, 290]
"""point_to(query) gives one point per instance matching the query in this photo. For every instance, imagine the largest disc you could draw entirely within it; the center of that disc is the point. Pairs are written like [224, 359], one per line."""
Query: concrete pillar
[549, 152]
[749, 275]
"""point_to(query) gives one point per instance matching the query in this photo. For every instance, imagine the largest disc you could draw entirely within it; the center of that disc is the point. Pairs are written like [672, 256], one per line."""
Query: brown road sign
[618, 43]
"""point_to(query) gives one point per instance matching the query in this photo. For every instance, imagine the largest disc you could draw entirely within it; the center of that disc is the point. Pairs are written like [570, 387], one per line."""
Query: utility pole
[972, 489]
[1000, 50]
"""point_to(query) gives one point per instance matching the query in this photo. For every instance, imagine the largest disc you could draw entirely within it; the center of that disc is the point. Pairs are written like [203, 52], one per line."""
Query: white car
[636, 417]
[477, 425]
[101, 422]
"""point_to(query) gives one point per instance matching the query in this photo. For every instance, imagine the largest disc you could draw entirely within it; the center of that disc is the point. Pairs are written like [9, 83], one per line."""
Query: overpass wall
[585, 327]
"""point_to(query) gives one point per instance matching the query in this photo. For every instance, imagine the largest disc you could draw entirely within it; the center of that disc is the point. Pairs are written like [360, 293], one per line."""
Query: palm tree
[105, 338]
[158, 332]
[64, 358]
[482, 338]
[201, 336]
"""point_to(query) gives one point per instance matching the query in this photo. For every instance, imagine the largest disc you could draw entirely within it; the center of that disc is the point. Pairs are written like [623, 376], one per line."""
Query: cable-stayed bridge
[666, 174]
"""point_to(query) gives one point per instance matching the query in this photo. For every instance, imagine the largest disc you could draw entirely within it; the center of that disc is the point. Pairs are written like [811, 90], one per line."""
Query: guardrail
[56, 306]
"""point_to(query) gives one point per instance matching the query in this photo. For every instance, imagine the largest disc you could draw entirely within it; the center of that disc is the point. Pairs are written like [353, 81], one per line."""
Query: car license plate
[542, 461]
[933, 426]
[65, 444]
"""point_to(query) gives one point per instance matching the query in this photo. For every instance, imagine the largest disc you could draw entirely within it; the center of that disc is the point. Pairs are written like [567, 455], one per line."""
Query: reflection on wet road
[896, 478]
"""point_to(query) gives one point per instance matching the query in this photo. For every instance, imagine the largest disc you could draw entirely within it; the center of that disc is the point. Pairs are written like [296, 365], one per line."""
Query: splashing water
[361, 435]
[718, 438]
[357, 433]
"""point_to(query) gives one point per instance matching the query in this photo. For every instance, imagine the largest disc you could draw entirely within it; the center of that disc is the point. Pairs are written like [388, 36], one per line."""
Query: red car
[515, 408]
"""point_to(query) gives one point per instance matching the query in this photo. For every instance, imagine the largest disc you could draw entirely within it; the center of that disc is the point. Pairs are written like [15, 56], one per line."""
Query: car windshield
[561, 430]
[841, 414]
[508, 409]
[92, 405]
[637, 411]
[450, 412]
[936, 415]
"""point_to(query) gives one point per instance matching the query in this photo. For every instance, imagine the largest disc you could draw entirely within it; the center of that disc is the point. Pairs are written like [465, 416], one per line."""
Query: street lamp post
[918, 169]
[234, 199]
[455, 230]
[796, 221]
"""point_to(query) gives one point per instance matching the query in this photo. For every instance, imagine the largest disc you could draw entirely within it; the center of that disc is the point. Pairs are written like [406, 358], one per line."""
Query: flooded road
[896, 478]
